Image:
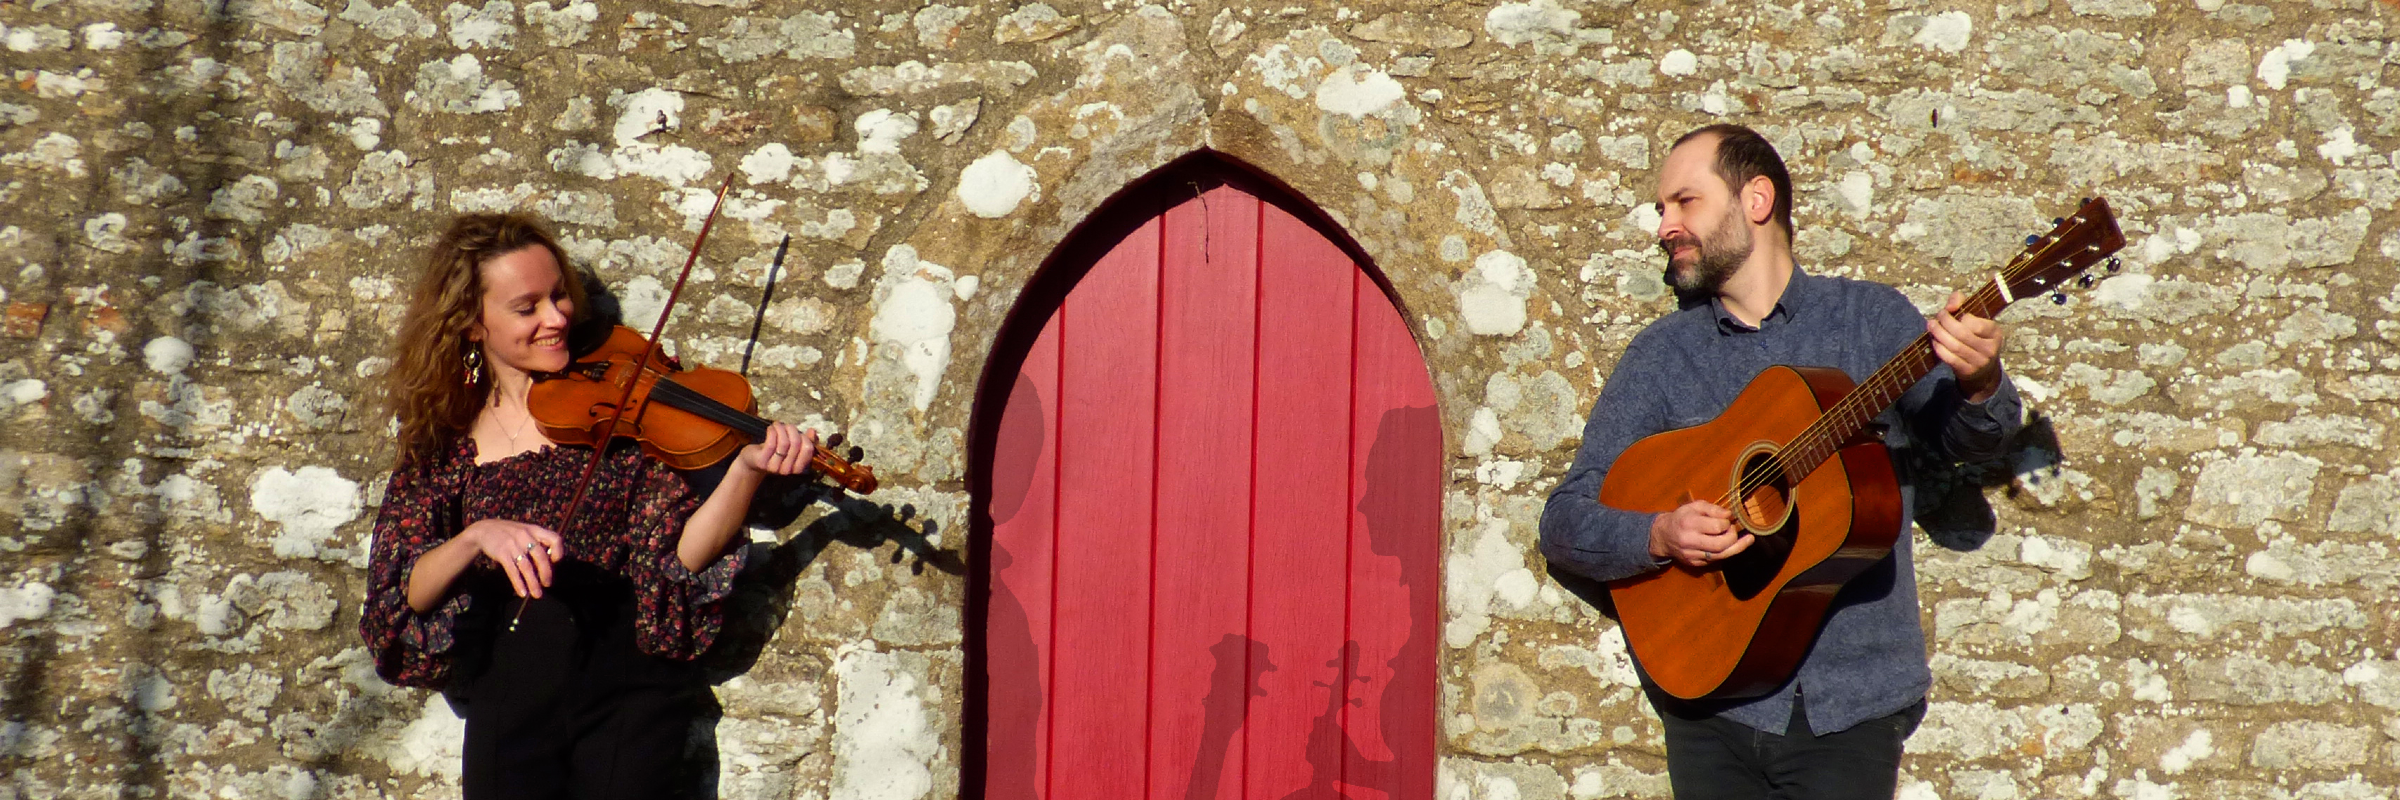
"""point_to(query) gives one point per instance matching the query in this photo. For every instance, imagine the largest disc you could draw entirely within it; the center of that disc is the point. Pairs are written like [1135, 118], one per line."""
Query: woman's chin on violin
[557, 590]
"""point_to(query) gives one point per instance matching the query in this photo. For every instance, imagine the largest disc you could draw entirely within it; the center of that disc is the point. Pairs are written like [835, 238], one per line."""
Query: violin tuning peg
[2058, 299]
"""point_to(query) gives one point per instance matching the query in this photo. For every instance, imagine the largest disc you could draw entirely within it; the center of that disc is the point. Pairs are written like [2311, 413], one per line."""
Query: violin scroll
[849, 475]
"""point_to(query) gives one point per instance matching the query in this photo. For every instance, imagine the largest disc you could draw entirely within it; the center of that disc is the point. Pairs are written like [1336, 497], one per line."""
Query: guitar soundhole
[1766, 502]
[1766, 511]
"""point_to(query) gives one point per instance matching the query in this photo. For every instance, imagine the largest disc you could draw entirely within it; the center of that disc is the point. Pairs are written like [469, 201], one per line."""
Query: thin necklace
[513, 446]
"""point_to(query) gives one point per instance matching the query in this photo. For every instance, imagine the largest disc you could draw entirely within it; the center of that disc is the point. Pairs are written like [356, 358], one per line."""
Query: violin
[699, 412]
[686, 418]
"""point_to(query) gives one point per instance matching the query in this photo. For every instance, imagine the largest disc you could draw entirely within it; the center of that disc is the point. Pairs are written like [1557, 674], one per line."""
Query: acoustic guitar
[1799, 462]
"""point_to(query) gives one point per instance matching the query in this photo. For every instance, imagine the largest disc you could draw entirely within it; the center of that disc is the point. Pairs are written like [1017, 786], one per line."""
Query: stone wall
[210, 212]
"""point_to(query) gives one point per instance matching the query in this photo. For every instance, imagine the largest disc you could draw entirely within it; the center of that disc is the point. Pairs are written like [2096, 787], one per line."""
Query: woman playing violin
[570, 643]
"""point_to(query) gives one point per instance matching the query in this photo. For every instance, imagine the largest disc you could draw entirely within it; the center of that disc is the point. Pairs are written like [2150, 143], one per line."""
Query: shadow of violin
[767, 589]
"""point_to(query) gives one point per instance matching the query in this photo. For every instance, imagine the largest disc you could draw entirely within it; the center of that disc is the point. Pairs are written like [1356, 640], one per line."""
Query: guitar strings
[1884, 380]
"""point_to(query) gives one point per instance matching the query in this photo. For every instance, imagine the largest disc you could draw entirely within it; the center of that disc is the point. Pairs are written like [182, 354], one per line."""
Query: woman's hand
[523, 550]
[786, 451]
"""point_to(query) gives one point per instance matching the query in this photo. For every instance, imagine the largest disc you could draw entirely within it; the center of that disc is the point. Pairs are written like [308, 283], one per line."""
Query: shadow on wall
[1952, 508]
[161, 179]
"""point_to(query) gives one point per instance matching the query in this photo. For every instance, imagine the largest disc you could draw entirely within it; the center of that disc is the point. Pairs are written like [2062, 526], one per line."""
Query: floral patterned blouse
[630, 523]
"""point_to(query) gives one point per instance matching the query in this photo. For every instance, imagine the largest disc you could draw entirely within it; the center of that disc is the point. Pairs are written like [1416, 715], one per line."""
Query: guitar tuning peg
[2085, 282]
[2086, 201]
[2058, 220]
[2115, 264]
[2059, 299]
[2032, 239]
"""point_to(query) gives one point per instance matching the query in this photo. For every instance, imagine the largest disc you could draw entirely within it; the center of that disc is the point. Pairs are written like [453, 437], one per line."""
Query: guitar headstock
[2051, 261]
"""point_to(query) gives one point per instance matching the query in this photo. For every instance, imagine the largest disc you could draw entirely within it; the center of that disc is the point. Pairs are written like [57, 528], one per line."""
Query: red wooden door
[1214, 509]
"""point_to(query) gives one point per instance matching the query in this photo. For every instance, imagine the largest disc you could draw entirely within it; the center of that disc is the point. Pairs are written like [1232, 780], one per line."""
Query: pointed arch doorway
[1207, 473]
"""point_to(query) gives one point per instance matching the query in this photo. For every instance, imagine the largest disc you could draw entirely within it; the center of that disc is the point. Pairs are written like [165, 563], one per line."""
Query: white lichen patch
[2243, 491]
[994, 185]
[55, 151]
[459, 86]
[1033, 22]
[1492, 294]
[308, 505]
[27, 601]
[1485, 575]
[883, 738]
[487, 27]
[912, 321]
[1356, 91]
[1513, 24]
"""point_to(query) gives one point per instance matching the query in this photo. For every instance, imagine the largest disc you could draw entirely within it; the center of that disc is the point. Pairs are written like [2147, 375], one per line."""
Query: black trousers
[1713, 758]
[566, 706]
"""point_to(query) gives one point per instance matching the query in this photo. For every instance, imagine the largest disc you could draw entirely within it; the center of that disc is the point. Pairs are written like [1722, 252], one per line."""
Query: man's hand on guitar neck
[1970, 345]
[1695, 535]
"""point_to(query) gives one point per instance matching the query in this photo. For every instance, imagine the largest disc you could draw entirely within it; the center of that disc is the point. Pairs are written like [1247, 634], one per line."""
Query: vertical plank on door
[1395, 545]
[1108, 403]
[1301, 518]
[1017, 627]
[1200, 686]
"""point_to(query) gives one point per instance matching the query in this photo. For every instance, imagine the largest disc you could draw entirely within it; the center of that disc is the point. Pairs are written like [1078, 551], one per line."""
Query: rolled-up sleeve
[1578, 532]
[1982, 431]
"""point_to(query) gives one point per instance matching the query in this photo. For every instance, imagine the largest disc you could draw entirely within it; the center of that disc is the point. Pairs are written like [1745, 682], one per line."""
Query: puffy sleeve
[411, 649]
[680, 612]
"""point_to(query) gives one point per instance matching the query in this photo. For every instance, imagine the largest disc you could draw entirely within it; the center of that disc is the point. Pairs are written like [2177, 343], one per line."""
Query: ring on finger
[520, 558]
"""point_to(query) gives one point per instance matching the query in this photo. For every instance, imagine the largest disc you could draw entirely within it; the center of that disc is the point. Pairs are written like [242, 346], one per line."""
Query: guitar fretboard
[1841, 424]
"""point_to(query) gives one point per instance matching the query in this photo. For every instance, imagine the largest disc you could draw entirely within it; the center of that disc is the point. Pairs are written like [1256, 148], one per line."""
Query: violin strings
[691, 400]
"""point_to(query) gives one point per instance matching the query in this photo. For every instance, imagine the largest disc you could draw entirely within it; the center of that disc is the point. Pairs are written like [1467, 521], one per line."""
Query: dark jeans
[1713, 758]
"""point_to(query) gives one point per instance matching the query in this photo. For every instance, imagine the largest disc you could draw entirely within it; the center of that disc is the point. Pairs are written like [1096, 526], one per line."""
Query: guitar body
[1738, 628]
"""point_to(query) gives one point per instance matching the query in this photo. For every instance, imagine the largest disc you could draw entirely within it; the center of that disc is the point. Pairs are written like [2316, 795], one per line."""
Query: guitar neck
[2046, 265]
[1841, 424]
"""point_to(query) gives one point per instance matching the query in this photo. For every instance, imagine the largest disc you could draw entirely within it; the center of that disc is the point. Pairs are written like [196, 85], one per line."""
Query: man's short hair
[1743, 155]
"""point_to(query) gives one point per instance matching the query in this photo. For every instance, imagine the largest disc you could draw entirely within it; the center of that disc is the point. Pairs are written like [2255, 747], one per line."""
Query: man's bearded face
[1705, 264]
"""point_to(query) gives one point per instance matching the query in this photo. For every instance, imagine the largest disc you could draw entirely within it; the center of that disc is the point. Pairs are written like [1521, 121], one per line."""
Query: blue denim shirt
[1869, 661]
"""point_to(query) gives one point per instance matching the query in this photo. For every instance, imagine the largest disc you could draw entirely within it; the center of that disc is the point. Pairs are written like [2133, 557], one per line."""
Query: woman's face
[525, 311]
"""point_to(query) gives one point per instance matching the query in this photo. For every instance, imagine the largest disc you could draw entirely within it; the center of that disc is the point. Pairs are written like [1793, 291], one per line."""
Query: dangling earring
[474, 365]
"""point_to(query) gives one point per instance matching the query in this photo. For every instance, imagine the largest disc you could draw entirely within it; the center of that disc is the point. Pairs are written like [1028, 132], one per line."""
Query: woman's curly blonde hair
[430, 394]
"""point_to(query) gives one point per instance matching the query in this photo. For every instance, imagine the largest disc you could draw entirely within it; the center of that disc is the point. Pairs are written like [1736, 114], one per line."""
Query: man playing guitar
[1834, 730]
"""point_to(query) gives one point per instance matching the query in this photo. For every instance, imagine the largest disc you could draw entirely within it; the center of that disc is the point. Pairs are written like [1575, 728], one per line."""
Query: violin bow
[600, 448]
[643, 365]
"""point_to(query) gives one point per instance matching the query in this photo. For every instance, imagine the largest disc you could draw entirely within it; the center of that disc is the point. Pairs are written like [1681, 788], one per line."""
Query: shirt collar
[1796, 295]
